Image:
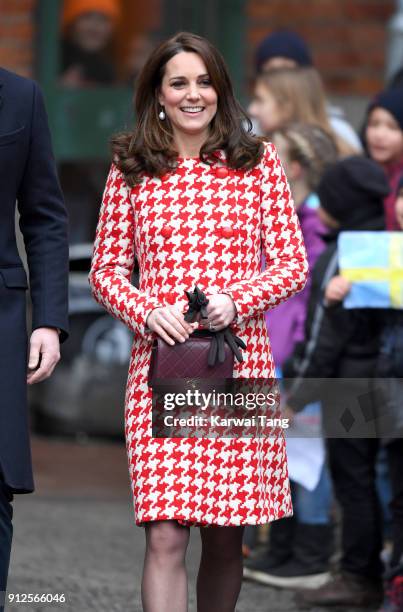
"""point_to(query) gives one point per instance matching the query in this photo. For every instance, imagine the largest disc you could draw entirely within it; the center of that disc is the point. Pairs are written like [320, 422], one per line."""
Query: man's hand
[337, 289]
[44, 349]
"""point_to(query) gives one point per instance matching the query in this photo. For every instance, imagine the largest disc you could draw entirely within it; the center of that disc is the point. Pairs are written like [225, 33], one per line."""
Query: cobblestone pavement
[76, 535]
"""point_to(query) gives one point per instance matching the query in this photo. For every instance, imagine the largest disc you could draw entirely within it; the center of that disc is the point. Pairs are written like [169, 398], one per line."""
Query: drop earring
[161, 114]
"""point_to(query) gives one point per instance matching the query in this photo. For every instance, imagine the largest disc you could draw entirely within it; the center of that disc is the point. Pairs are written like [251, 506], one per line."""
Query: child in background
[88, 30]
[305, 151]
[345, 344]
[299, 547]
[287, 95]
[383, 141]
[390, 368]
[285, 48]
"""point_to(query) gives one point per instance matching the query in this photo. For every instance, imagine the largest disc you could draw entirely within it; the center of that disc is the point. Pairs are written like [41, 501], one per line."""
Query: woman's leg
[220, 574]
[164, 581]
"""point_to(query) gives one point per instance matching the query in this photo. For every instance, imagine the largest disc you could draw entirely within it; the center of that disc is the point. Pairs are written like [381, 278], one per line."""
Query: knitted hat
[283, 43]
[352, 190]
[392, 101]
[72, 9]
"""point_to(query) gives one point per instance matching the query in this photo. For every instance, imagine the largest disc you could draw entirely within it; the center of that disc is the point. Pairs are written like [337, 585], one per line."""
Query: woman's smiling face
[186, 93]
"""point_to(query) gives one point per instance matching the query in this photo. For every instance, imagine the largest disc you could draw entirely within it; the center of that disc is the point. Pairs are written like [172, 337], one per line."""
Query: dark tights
[220, 574]
[164, 586]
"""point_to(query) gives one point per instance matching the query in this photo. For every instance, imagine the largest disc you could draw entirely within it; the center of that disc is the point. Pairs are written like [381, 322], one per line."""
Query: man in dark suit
[27, 177]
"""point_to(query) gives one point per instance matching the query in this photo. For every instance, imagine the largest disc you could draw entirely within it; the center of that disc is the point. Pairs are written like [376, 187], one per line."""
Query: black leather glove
[217, 346]
[198, 303]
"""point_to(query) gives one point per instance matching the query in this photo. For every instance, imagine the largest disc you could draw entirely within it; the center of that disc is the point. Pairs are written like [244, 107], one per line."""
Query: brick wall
[347, 37]
[17, 31]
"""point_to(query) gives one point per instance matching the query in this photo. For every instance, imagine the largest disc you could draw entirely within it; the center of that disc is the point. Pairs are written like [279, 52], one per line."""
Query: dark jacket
[340, 343]
[389, 372]
[28, 176]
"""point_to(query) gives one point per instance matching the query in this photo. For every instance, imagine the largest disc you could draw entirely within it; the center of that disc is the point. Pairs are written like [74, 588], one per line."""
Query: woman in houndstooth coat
[196, 198]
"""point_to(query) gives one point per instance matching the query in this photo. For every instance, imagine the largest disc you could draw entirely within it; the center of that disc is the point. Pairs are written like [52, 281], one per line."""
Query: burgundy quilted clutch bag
[188, 360]
[205, 354]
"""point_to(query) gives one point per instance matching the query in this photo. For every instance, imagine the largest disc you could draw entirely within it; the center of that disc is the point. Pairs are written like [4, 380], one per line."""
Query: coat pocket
[11, 137]
[14, 277]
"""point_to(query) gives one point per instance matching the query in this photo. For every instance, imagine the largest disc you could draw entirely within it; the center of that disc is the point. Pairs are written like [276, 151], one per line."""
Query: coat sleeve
[331, 331]
[113, 258]
[282, 244]
[44, 225]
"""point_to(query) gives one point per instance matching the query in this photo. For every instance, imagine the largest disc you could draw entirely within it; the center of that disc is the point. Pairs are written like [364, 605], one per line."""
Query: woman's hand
[399, 209]
[337, 289]
[169, 323]
[221, 310]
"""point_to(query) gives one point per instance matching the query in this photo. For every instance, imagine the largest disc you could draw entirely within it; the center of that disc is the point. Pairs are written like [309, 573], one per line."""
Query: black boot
[344, 589]
[309, 565]
[278, 551]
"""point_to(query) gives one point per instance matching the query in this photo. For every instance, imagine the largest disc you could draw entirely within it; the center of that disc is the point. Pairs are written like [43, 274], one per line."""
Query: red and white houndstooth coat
[203, 225]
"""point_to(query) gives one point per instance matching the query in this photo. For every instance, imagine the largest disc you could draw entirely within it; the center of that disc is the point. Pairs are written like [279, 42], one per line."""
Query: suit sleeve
[114, 257]
[282, 244]
[44, 225]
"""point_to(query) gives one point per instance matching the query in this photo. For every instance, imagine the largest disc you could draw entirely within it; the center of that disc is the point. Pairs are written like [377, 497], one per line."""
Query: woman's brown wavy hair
[149, 148]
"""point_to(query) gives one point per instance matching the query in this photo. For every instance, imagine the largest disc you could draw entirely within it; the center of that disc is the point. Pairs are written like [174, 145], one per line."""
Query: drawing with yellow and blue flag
[373, 263]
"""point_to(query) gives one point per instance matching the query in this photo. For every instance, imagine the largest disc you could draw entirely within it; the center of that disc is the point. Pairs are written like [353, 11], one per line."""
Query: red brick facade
[347, 37]
[17, 34]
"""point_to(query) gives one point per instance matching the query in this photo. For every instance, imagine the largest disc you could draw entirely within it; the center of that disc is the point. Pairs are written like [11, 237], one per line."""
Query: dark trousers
[352, 463]
[6, 536]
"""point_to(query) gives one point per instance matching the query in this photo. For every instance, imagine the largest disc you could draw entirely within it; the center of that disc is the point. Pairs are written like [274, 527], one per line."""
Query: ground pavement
[76, 536]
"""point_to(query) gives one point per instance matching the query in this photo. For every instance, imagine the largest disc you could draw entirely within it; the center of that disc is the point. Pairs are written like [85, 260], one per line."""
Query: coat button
[227, 232]
[166, 231]
[222, 172]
